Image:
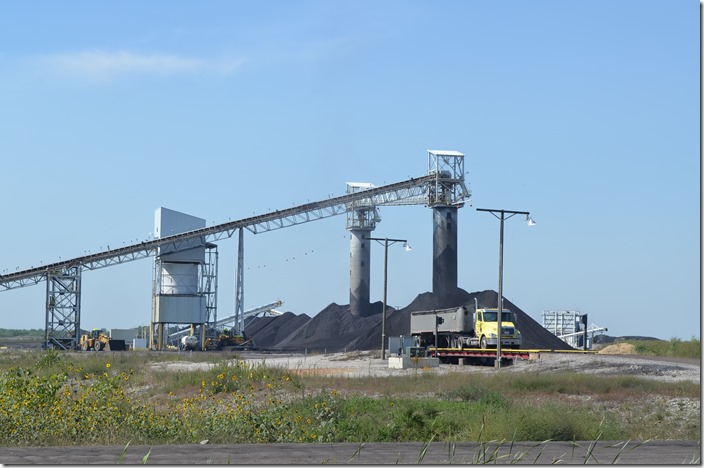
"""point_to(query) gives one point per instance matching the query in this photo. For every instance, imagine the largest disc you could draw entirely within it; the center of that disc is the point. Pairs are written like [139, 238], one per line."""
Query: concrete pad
[405, 362]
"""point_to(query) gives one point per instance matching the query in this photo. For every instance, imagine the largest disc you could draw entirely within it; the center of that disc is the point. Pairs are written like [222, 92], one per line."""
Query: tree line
[9, 332]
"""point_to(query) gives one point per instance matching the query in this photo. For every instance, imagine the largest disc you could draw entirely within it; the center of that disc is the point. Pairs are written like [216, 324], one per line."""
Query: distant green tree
[9, 332]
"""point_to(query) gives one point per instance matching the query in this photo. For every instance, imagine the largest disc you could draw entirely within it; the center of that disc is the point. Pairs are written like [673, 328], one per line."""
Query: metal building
[571, 327]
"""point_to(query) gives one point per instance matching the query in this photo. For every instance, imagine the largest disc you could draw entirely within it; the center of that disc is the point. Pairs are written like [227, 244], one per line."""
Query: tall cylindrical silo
[359, 272]
[444, 249]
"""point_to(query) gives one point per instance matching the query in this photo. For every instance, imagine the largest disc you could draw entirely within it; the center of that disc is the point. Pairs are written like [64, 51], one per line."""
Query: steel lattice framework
[420, 190]
[414, 188]
[63, 308]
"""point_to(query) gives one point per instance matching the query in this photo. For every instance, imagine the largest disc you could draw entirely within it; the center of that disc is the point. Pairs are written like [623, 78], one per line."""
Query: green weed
[675, 347]
[60, 399]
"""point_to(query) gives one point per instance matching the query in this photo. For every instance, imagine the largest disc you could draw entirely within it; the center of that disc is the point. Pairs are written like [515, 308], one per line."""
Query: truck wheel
[482, 342]
[97, 345]
[84, 346]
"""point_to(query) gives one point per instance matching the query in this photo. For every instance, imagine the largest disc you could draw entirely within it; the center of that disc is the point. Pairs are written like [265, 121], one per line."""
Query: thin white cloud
[103, 65]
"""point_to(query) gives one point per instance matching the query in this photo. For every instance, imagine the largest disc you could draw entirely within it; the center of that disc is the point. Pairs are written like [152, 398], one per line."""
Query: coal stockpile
[334, 328]
[269, 331]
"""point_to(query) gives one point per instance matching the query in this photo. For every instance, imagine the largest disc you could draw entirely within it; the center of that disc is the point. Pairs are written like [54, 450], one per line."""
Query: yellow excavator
[99, 341]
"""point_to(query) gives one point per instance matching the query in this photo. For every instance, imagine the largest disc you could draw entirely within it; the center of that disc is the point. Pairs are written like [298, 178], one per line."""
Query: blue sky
[586, 114]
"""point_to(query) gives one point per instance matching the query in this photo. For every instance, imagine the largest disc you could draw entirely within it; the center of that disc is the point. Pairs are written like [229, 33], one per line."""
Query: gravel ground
[363, 363]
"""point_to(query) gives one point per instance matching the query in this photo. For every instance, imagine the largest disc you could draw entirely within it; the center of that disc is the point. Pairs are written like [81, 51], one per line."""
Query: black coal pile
[269, 331]
[335, 329]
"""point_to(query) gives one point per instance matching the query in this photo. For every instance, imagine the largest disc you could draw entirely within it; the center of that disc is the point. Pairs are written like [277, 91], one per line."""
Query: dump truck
[98, 340]
[460, 327]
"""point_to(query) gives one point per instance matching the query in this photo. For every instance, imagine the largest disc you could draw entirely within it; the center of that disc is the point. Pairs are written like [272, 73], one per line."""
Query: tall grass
[675, 347]
[509, 385]
[399, 420]
[60, 398]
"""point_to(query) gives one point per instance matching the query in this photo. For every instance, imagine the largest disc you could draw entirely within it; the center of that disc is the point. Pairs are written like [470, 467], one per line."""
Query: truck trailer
[460, 328]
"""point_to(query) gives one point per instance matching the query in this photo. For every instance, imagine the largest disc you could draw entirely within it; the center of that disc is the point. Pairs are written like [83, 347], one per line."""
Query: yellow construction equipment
[98, 340]
[225, 338]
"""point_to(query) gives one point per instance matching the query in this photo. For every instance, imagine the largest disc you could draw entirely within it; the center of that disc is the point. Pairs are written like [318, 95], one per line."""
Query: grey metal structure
[446, 193]
[239, 285]
[220, 324]
[199, 311]
[570, 326]
[362, 216]
[443, 186]
[561, 322]
[63, 308]
[383, 195]
[210, 288]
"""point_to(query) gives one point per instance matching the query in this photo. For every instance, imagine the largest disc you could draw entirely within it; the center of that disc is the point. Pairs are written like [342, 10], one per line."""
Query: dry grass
[383, 408]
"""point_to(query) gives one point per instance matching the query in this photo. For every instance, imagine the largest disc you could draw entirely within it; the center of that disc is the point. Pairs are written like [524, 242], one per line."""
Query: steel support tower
[362, 216]
[63, 308]
[206, 295]
[239, 285]
[446, 193]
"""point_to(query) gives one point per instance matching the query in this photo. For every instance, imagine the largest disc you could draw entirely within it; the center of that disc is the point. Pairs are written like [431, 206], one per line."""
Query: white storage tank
[189, 342]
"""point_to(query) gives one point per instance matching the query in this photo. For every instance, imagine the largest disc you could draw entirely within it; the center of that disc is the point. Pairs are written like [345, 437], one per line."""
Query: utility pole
[386, 243]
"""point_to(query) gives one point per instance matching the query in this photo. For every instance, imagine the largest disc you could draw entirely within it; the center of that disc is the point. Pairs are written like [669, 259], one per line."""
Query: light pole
[502, 217]
[386, 242]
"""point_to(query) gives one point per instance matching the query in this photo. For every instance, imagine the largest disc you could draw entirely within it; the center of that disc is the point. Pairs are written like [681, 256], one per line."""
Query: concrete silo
[362, 217]
[446, 194]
